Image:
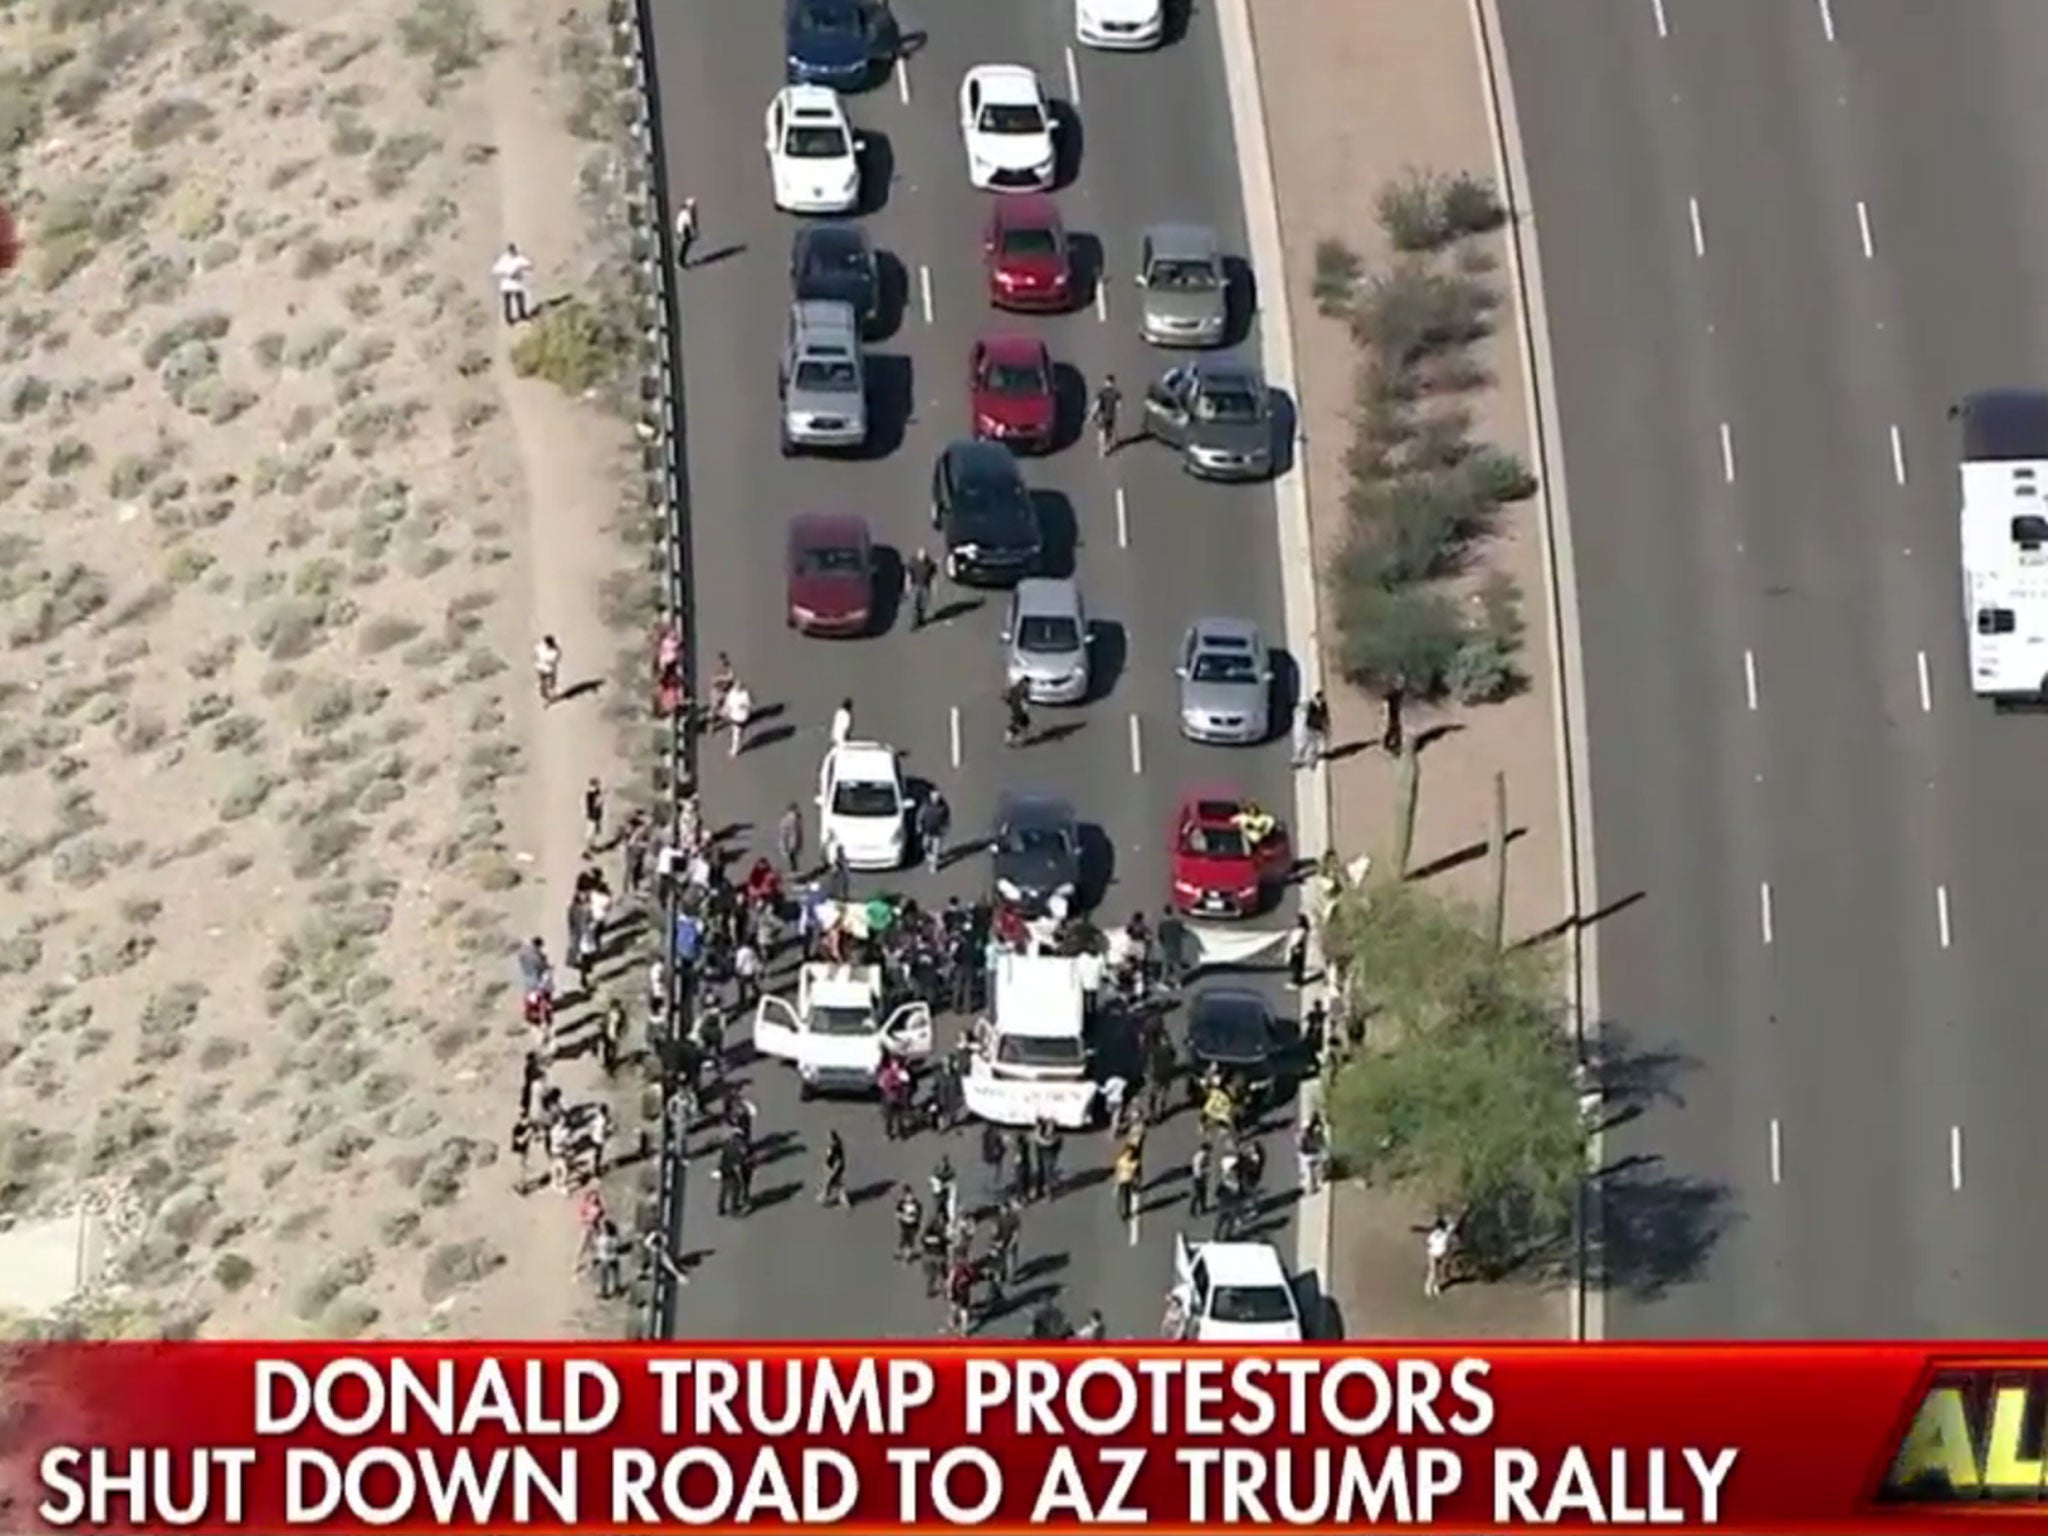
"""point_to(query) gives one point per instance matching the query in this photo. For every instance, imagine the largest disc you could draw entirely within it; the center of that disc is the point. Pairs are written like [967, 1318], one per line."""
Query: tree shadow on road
[1655, 1228]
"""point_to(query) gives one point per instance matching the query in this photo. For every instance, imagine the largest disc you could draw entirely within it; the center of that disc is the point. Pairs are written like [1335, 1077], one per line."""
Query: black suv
[983, 510]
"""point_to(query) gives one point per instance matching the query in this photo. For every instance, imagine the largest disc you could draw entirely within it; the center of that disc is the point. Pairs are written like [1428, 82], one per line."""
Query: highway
[1780, 238]
[1151, 141]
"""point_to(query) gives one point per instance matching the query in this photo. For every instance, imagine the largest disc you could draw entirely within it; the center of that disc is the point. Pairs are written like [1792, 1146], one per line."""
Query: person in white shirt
[1436, 1247]
[686, 230]
[515, 286]
[547, 667]
[842, 723]
[739, 709]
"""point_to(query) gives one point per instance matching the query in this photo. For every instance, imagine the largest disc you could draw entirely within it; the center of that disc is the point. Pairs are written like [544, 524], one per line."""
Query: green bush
[1338, 269]
[1393, 640]
[570, 345]
[1498, 476]
[1415, 528]
[448, 34]
[1411, 212]
[1468, 206]
[1412, 311]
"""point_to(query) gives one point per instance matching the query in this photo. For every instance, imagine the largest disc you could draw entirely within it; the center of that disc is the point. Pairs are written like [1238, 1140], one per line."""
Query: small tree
[1466, 205]
[1394, 641]
[1416, 527]
[1411, 211]
[1338, 269]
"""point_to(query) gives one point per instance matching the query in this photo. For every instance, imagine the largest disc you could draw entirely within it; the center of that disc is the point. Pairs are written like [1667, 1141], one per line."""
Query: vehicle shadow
[1108, 655]
[1286, 693]
[1087, 267]
[1241, 296]
[877, 171]
[1177, 15]
[1098, 866]
[1059, 530]
[892, 403]
[892, 295]
[889, 585]
[1069, 141]
[1286, 425]
[1069, 406]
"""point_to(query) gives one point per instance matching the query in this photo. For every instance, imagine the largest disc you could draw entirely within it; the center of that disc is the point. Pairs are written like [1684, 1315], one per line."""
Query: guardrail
[664, 485]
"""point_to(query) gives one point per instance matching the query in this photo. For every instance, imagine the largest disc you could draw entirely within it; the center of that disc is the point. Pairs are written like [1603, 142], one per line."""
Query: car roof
[1058, 596]
[865, 760]
[828, 530]
[1228, 997]
[1242, 1264]
[1242, 630]
[1007, 84]
[812, 100]
[826, 320]
[840, 233]
[2001, 425]
[1017, 808]
[1026, 210]
[1184, 242]
[973, 458]
[1228, 370]
[1012, 347]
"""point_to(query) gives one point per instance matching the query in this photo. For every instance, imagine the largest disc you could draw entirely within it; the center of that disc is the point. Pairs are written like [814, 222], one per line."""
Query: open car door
[771, 127]
[908, 1031]
[1183, 1292]
[1166, 415]
[778, 1032]
[1275, 856]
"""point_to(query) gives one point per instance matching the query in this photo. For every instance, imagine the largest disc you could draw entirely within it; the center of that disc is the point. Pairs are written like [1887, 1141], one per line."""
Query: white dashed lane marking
[1699, 230]
[1727, 454]
[924, 291]
[1123, 521]
[1863, 229]
[1770, 928]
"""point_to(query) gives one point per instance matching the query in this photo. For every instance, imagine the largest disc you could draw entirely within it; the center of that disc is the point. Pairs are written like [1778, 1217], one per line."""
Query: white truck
[2005, 543]
[1031, 1058]
[837, 1030]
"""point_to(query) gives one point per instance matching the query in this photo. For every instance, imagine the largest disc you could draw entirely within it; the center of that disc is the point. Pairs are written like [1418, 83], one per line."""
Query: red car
[1219, 869]
[831, 566]
[1025, 250]
[1009, 387]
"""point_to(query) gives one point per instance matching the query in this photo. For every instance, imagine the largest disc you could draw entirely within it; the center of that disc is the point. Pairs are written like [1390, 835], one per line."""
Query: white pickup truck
[1031, 1058]
[836, 1031]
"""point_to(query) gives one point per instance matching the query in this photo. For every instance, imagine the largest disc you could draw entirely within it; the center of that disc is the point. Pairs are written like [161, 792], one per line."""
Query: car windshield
[1052, 636]
[1185, 276]
[842, 1021]
[1035, 840]
[989, 495]
[1030, 241]
[1040, 1051]
[805, 143]
[823, 377]
[831, 21]
[1225, 667]
[836, 561]
[1251, 1304]
[1014, 378]
[1005, 118]
[865, 799]
[1230, 1032]
[825, 260]
[1227, 404]
[1213, 842]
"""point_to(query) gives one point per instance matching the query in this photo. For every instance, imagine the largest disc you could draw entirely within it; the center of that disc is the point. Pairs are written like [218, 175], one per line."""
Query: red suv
[1010, 391]
[1025, 249]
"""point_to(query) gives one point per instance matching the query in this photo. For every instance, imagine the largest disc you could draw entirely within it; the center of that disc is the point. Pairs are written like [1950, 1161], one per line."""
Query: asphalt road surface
[1150, 140]
[1780, 237]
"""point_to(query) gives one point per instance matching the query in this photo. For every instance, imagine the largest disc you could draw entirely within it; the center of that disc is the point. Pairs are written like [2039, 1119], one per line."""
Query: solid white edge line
[1123, 521]
[1243, 90]
[924, 291]
[1073, 78]
[1749, 678]
[953, 732]
[1827, 19]
[1955, 1157]
[1727, 454]
[903, 80]
[1770, 927]
[1663, 23]
[1926, 687]
[1777, 1152]
[1941, 918]
[1579, 874]
[1137, 748]
[1699, 230]
[1898, 455]
[1863, 229]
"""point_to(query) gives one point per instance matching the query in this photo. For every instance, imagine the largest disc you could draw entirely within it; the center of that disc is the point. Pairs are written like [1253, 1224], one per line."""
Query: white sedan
[1007, 126]
[1120, 24]
[813, 152]
[862, 807]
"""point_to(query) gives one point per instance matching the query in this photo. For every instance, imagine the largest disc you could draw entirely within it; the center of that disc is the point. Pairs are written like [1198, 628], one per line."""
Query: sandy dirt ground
[279, 532]
[1359, 92]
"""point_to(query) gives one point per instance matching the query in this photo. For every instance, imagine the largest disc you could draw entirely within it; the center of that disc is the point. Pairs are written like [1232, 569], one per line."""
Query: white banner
[1229, 947]
[1004, 1101]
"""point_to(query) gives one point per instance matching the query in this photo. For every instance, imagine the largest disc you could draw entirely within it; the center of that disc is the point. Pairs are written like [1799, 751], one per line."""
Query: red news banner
[490, 1438]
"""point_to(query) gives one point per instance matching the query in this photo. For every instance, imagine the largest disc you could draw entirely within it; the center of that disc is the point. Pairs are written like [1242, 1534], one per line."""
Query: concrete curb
[1567, 656]
[660, 429]
[1290, 497]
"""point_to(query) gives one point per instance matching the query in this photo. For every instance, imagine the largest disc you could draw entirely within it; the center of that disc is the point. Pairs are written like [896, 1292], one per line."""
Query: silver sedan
[1226, 683]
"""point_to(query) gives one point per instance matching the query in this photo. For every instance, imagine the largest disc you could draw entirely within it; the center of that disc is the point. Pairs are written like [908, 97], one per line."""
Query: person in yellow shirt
[1255, 823]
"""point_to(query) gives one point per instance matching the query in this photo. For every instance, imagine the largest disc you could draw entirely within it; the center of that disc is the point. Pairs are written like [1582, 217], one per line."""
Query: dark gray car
[1184, 298]
[1219, 415]
[835, 262]
[1037, 849]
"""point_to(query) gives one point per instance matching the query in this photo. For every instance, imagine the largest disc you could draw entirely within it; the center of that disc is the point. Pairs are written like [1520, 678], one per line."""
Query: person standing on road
[738, 712]
[838, 873]
[1130, 1178]
[909, 1223]
[515, 284]
[547, 667]
[934, 822]
[1297, 954]
[612, 1032]
[834, 1190]
[1311, 1151]
[1312, 731]
[842, 723]
[1391, 733]
[593, 816]
[789, 838]
[1201, 1170]
[923, 573]
[686, 230]
[1109, 400]
[1017, 724]
[1045, 1137]
[606, 1260]
[994, 1151]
